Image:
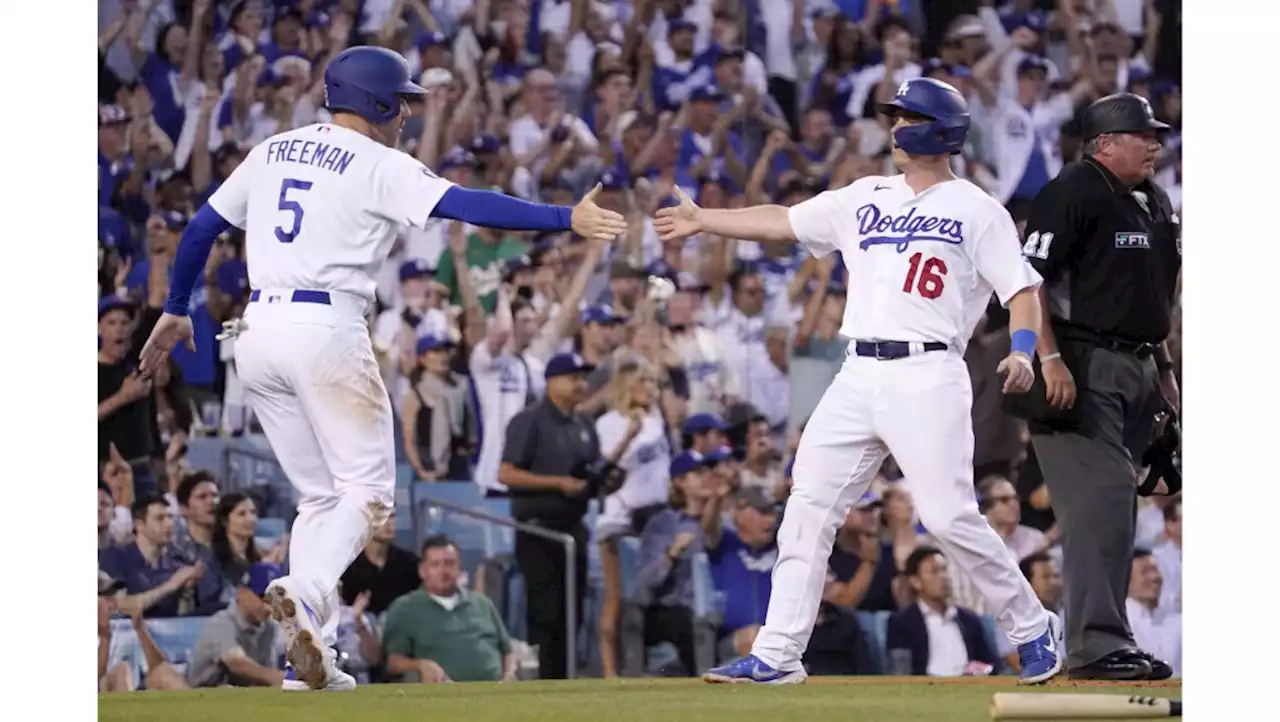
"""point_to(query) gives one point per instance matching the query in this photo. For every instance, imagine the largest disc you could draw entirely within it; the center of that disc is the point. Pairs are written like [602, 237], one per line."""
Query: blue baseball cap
[706, 92]
[514, 265]
[678, 24]
[702, 423]
[719, 454]
[612, 181]
[485, 143]
[173, 220]
[567, 363]
[233, 277]
[431, 342]
[1034, 19]
[601, 313]
[260, 576]
[686, 462]
[114, 303]
[456, 158]
[415, 268]
[431, 40]
[1032, 63]
[868, 500]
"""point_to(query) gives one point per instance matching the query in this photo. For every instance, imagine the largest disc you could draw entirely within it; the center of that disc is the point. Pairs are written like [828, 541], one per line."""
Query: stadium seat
[176, 639]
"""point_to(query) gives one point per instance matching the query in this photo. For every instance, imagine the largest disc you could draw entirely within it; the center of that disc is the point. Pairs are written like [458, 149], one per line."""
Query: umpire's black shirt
[544, 440]
[1109, 253]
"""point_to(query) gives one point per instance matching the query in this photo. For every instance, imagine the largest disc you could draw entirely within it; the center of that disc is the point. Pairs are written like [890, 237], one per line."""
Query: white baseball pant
[310, 375]
[918, 409]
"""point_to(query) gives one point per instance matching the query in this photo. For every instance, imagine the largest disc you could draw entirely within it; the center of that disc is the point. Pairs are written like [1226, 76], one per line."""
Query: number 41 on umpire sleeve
[1037, 245]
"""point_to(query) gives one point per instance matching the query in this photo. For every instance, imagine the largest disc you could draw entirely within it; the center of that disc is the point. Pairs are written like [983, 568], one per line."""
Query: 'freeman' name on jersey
[309, 152]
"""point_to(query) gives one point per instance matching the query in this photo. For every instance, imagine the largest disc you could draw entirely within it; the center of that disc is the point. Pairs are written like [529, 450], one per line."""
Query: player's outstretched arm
[174, 326]
[755, 223]
[496, 210]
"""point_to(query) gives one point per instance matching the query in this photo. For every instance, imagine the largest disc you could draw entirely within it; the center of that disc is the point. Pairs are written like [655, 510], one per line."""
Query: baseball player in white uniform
[924, 252]
[321, 206]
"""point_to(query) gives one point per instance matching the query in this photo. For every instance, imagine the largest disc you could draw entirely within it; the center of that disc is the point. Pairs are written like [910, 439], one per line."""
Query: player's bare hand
[593, 222]
[677, 222]
[1018, 373]
[1059, 386]
[170, 331]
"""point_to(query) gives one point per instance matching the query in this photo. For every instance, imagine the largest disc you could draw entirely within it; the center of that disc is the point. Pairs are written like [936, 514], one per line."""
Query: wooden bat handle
[1016, 706]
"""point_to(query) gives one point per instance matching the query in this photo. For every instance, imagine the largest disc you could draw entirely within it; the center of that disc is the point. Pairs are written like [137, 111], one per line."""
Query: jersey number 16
[294, 209]
[929, 283]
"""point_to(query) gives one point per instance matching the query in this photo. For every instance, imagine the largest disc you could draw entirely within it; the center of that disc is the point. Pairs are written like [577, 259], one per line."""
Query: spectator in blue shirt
[157, 582]
[707, 143]
[742, 560]
[673, 82]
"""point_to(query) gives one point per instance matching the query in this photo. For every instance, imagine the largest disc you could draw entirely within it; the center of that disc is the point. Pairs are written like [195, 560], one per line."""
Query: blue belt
[892, 349]
[299, 296]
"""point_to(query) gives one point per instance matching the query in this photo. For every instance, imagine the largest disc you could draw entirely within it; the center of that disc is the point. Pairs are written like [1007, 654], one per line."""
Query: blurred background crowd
[701, 385]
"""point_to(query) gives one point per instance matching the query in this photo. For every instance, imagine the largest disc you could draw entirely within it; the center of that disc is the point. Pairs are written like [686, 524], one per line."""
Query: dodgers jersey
[321, 206]
[921, 267]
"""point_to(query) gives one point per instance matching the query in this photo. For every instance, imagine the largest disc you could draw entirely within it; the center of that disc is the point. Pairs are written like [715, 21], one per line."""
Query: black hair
[884, 26]
[189, 484]
[437, 541]
[1028, 564]
[1140, 553]
[221, 543]
[912, 566]
[103, 486]
[143, 503]
[162, 36]
[603, 78]
[741, 271]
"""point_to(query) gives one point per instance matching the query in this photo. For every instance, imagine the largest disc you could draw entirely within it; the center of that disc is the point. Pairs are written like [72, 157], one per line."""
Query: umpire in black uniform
[1108, 244]
[548, 448]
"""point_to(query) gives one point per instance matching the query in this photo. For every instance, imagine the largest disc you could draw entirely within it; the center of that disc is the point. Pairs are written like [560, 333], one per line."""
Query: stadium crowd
[705, 357]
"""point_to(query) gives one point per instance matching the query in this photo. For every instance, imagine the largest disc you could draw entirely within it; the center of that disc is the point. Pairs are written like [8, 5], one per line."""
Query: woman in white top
[633, 433]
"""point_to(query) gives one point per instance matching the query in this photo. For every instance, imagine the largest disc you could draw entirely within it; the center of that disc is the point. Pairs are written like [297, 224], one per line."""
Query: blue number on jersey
[292, 206]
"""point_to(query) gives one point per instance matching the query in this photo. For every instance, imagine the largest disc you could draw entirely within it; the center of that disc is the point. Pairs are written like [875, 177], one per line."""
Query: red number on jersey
[930, 282]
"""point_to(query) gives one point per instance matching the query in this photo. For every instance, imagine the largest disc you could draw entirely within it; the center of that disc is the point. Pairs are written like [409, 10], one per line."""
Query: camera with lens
[603, 477]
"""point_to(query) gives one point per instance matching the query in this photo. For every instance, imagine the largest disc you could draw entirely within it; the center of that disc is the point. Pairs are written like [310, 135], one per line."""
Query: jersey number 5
[292, 207]
[1037, 245]
[930, 276]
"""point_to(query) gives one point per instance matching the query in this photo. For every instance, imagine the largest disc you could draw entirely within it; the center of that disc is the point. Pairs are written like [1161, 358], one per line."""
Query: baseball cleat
[301, 626]
[750, 670]
[339, 681]
[1041, 658]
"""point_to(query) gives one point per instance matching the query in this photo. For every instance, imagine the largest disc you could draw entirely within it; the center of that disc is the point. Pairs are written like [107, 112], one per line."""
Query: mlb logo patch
[1132, 240]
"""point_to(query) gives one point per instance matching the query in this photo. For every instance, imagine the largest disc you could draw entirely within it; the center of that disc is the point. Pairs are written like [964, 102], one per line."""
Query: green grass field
[849, 699]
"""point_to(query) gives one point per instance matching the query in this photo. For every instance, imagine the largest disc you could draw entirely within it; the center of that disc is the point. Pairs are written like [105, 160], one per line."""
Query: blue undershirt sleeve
[495, 210]
[193, 253]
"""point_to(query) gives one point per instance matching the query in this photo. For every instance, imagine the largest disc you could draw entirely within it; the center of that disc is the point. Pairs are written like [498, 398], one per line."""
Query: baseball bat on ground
[1014, 706]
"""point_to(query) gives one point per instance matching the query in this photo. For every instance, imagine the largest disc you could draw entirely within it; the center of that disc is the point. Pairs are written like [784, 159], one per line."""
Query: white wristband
[1050, 357]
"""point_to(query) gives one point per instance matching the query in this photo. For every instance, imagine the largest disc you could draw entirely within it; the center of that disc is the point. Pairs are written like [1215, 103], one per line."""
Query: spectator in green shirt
[487, 251]
[445, 633]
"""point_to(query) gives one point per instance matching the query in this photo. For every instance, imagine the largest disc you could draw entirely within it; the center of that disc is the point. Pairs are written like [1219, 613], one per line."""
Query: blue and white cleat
[1042, 657]
[750, 670]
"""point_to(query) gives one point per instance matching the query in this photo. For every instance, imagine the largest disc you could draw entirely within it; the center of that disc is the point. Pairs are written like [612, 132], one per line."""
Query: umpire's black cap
[1120, 113]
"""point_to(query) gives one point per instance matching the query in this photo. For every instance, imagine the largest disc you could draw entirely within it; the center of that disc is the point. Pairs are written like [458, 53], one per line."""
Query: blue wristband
[1024, 340]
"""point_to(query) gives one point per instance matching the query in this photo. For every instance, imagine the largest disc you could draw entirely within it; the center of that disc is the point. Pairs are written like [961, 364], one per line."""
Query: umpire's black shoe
[1160, 669]
[1121, 665]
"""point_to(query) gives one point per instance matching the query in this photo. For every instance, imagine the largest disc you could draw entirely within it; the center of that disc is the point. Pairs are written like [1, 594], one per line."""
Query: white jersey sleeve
[997, 254]
[231, 200]
[405, 191]
[816, 223]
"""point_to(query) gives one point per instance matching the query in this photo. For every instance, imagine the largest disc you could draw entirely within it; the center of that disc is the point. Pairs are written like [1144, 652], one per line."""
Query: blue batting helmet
[948, 112]
[368, 81]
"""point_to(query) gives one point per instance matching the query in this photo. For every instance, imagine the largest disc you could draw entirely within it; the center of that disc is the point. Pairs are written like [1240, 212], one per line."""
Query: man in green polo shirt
[442, 632]
[485, 253]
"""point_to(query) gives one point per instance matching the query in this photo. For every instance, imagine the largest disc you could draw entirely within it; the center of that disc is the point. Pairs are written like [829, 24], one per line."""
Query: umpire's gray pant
[1092, 478]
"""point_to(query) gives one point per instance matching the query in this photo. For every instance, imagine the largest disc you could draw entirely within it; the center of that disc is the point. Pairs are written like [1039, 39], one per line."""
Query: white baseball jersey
[921, 267]
[647, 463]
[503, 387]
[321, 207]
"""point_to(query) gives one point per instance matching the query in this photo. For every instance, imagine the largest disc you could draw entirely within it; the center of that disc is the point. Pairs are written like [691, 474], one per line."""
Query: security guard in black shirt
[1107, 242]
[552, 466]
